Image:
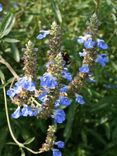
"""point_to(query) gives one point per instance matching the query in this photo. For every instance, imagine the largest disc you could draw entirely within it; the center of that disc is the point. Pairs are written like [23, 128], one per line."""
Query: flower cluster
[23, 87]
[25, 111]
[23, 83]
[54, 89]
[89, 43]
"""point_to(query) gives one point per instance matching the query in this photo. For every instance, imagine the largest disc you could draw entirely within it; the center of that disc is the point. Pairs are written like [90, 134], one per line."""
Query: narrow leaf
[30, 140]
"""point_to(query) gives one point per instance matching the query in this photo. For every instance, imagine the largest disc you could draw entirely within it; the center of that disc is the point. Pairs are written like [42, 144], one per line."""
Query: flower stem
[3, 61]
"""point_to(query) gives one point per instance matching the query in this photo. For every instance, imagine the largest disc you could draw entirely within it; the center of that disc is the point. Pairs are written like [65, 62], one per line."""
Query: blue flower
[11, 92]
[36, 111]
[56, 152]
[43, 34]
[101, 44]
[66, 75]
[81, 40]
[59, 116]
[26, 111]
[64, 89]
[84, 68]
[80, 99]
[48, 80]
[82, 54]
[17, 113]
[21, 82]
[26, 84]
[57, 103]
[102, 59]
[1, 7]
[42, 96]
[89, 44]
[60, 144]
[29, 85]
[64, 101]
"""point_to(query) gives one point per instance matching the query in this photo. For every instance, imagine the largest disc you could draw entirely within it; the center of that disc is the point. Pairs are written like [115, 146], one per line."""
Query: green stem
[36, 102]
[3, 61]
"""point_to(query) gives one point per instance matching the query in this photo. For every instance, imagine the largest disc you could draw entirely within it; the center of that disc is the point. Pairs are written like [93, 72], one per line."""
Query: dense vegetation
[89, 130]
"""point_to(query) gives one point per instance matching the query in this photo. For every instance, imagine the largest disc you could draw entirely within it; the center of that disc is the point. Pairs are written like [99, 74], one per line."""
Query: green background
[91, 129]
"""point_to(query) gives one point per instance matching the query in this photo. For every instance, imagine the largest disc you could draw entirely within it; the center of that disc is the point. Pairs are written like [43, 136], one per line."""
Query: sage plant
[48, 96]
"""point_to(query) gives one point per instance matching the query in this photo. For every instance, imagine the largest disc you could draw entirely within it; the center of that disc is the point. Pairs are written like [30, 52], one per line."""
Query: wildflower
[43, 34]
[80, 99]
[36, 111]
[48, 80]
[60, 144]
[102, 59]
[82, 54]
[56, 152]
[29, 85]
[81, 40]
[66, 75]
[1, 7]
[42, 96]
[101, 44]
[26, 111]
[57, 103]
[64, 101]
[11, 92]
[84, 68]
[26, 84]
[64, 89]
[89, 44]
[17, 113]
[59, 116]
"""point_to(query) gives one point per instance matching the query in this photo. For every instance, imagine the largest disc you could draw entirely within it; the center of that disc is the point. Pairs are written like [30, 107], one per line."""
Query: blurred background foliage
[90, 130]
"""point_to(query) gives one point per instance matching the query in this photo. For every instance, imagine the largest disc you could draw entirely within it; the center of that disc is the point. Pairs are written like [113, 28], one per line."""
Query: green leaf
[2, 75]
[70, 118]
[56, 10]
[30, 140]
[7, 25]
[15, 52]
[10, 40]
